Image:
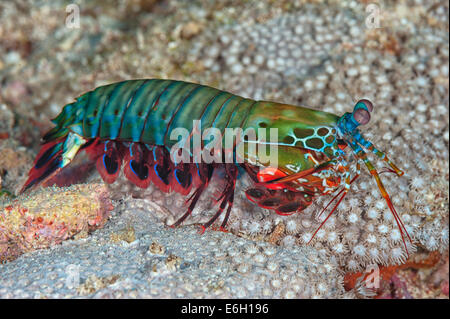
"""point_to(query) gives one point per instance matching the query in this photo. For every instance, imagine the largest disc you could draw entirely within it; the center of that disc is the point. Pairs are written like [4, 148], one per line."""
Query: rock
[190, 30]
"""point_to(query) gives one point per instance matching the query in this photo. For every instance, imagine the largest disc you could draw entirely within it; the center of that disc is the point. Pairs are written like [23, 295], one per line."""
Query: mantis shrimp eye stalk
[361, 112]
[360, 116]
[364, 104]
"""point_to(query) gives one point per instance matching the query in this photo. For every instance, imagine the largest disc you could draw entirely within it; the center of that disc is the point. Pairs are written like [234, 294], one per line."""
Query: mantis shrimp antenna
[348, 125]
[362, 155]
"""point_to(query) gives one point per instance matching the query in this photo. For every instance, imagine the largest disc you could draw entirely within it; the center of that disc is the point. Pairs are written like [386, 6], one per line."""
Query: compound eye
[367, 104]
[361, 116]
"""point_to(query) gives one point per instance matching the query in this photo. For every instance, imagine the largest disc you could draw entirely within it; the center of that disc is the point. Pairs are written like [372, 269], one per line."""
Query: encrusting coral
[49, 216]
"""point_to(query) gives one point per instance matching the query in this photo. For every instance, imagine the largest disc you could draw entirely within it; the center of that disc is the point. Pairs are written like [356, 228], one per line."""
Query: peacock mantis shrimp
[130, 124]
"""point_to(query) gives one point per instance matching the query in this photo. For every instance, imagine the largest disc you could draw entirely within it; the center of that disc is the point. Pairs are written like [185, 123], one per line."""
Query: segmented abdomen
[147, 110]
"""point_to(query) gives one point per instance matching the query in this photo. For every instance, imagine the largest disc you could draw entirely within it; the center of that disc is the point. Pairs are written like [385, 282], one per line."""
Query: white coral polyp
[320, 234]
[398, 255]
[353, 218]
[254, 228]
[306, 237]
[359, 251]
[371, 238]
[339, 248]
[383, 229]
[374, 254]
[288, 241]
[387, 215]
[332, 237]
[380, 205]
[353, 265]
[417, 182]
[291, 226]
[372, 213]
[444, 236]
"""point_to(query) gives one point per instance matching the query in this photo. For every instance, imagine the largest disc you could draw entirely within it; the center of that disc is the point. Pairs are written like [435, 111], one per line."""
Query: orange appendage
[386, 272]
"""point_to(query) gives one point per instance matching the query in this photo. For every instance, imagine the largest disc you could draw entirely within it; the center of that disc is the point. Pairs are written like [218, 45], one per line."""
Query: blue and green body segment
[145, 111]
[134, 111]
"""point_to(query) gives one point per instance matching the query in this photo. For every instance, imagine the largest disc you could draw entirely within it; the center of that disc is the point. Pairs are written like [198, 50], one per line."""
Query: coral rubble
[49, 216]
